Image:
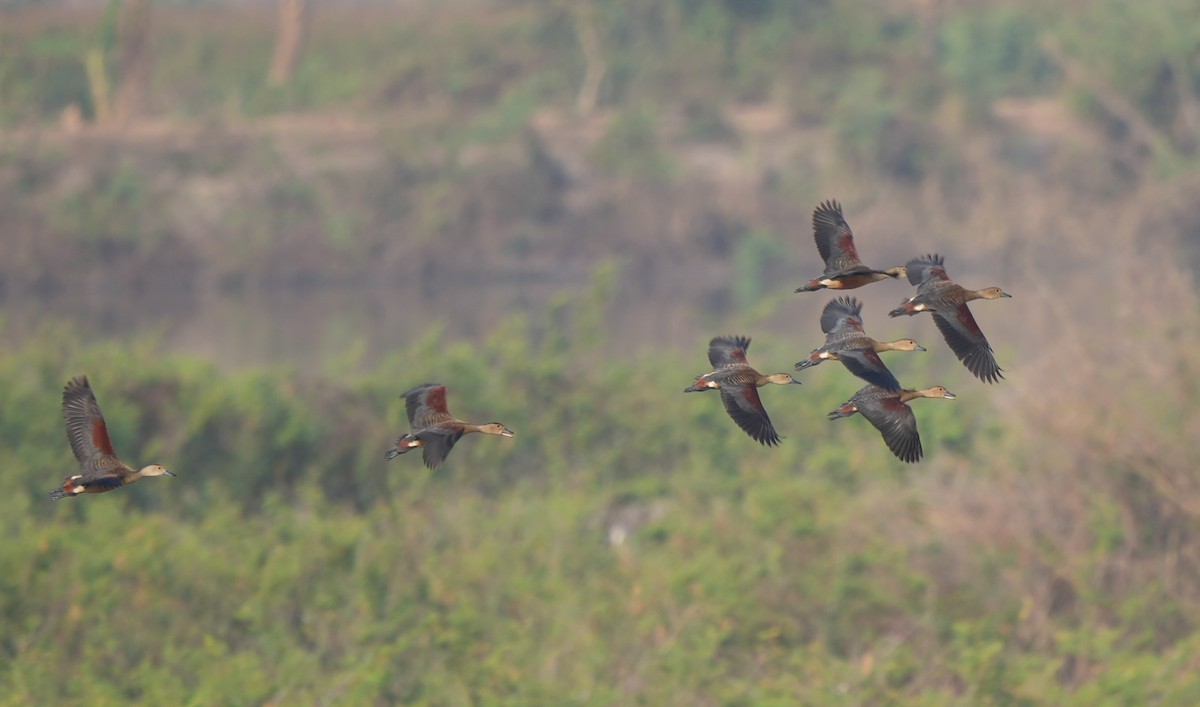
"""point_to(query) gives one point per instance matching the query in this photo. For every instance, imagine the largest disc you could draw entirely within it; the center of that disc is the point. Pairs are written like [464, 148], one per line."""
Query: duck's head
[495, 428]
[782, 379]
[155, 470]
[906, 345]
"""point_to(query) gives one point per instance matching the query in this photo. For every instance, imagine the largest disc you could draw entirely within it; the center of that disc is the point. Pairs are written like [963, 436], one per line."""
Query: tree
[133, 59]
[289, 43]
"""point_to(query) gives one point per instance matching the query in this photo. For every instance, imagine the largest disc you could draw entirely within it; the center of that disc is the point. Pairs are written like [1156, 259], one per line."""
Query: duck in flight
[947, 300]
[100, 468]
[739, 384]
[835, 243]
[889, 412]
[434, 430]
[847, 341]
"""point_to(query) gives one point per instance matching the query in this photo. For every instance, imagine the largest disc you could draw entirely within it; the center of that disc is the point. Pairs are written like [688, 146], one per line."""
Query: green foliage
[751, 255]
[110, 215]
[290, 562]
[994, 54]
[631, 147]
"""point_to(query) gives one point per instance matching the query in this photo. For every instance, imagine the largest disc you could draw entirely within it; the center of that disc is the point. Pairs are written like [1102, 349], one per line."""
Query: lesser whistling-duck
[846, 341]
[938, 294]
[434, 429]
[88, 435]
[835, 242]
[739, 384]
[888, 411]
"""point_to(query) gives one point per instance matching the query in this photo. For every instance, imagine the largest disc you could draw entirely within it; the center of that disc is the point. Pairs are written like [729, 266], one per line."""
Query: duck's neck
[906, 395]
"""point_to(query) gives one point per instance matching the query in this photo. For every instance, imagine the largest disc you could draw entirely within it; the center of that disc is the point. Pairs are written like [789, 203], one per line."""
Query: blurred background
[254, 224]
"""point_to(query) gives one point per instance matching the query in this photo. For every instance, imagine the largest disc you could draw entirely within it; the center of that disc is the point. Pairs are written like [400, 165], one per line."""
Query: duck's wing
[866, 364]
[414, 398]
[841, 315]
[93, 482]
[436, 443]
[746, 409]
[86, 430]
[835, 240]
[426, 405]
[926, 268]
[727, 350]
[896, 423]
[967, 342]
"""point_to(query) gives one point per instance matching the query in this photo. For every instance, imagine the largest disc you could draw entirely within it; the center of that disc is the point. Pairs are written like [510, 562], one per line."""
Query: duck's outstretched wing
[436, 444]
[897, 424]
[866, 364]
[835, 240]
[967, 342]
[426, 405]
[746, 409]
[727, 350]
[86, 429]
[842, 315]
[926, 268]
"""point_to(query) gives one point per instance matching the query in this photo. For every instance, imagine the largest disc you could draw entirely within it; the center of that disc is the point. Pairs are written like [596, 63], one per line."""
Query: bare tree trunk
[593, 56]
[133, 60]
[1188, 122]
[293, 22]
[98, 86]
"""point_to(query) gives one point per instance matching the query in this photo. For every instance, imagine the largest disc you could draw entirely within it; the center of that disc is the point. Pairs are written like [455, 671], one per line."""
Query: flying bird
[739, 384]
[938, 294]
[434, 430]
[847, 341]
[888, 411]
[101, 469]
[835, 243]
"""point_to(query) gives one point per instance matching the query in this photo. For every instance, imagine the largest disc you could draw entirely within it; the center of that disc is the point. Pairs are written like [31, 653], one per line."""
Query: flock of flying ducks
[883, 401]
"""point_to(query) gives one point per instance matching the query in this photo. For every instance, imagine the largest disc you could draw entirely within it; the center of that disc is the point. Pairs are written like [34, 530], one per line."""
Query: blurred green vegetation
[629, 546]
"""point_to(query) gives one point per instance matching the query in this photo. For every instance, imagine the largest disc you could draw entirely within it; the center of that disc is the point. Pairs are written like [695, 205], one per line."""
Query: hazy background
[254, 224]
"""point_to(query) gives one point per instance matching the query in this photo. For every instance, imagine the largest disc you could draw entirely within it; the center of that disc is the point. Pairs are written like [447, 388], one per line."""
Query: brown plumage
[434, 429]
[835, 243]
[88, 434]
[888, 411]
[847, 341]
[938, 294]
[739, 383]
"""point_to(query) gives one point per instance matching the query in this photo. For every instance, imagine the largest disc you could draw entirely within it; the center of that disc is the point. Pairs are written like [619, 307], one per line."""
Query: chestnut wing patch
[727, 350]
[86, 429]
[925, 269]
[842, 314]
